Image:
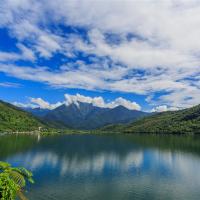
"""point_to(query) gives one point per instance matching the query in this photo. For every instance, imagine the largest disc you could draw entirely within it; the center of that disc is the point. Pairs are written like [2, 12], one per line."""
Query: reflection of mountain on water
[12, 144]
[87, 154]
[91, 144]
[108, 167]
[81, 154]
[84, 145]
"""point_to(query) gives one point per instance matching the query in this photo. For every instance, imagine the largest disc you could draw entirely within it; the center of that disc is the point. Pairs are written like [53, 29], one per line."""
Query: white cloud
[69, 99]
[99, 102]
[5, 56]
[96, 101]
[123, 102]
[10, 84]
[38, 103]
[27, 53]
[164, 108]
[163, 43]
[44, 104]
[25, 105]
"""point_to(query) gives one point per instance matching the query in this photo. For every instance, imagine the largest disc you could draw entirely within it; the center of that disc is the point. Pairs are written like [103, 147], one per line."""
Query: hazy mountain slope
[87, 116]
[38, 112]
[72, 116]
[64, 116]
[177, 122]
[15, 119]
[116, 115]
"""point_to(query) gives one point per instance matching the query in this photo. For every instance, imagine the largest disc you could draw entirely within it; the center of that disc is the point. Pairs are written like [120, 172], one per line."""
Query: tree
[13, 181]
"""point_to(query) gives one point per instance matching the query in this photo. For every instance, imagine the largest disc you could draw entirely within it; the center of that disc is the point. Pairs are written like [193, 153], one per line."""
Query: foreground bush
[13, 181]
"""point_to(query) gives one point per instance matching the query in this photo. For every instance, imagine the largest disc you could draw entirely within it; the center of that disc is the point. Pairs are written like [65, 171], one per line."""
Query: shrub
[13, 181]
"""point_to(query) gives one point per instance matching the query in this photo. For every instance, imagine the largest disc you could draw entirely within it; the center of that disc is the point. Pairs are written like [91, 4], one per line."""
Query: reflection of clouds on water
[180, 164]
[98, 163]
[40, 159]
[76, 165]
[88, 167]
[34, 161]
[179, 160]
[188, 166]
[139, 173]
[148, 162]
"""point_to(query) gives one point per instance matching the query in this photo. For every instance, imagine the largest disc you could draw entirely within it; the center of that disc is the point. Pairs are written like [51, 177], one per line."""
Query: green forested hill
[175, 122]
[14, 119]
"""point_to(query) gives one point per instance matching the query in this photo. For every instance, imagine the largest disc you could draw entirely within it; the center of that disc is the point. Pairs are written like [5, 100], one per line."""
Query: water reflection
[77, 165]
[98, 167]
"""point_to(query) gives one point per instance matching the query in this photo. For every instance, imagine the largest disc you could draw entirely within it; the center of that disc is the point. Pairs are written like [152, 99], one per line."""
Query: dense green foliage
[13, 119]
[174, 122]
[13, 181]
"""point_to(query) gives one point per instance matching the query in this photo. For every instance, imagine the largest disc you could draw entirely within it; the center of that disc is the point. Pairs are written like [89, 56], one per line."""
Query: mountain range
[81, 115]
[170, 122]
[87, 116]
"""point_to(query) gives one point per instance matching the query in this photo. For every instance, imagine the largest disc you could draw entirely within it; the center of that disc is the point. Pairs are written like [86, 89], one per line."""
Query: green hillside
[175, 122]
[14, 119]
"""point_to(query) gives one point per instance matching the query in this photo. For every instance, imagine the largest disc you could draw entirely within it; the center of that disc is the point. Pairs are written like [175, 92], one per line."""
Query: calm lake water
[88, 167]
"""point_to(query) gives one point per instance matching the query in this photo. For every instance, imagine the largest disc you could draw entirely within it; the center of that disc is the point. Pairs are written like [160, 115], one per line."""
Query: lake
[98, 167]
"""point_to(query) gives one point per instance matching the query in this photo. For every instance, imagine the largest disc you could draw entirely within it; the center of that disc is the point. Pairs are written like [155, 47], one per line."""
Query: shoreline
[90, 132]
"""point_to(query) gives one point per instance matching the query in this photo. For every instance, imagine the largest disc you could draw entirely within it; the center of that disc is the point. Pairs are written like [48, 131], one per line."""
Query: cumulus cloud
[124, 102]
[136, 46]
[44, 104]
[25, 105]
[38, 103]
[164, 108]
[76, 99]
[99, 102]
[96, 101]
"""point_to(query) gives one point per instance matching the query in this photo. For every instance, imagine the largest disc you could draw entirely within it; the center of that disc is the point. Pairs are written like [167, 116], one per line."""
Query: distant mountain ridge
[170, 122]
[87, 116]
[38, 112]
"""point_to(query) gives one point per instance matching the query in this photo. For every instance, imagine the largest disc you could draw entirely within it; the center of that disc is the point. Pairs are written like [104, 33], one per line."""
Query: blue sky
[143, 55]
